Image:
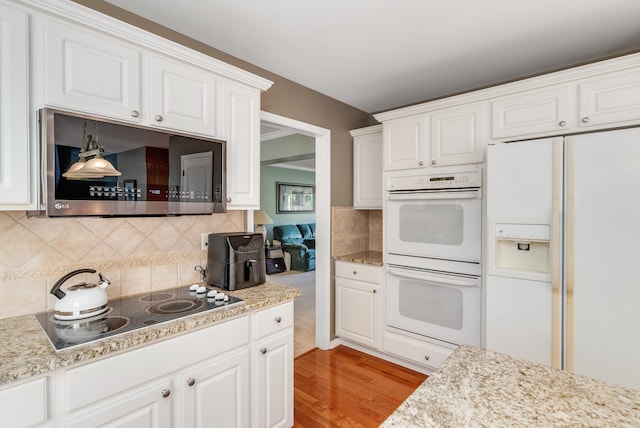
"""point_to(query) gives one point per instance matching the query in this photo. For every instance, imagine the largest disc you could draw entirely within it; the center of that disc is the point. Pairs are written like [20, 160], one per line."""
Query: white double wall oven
[433, 228]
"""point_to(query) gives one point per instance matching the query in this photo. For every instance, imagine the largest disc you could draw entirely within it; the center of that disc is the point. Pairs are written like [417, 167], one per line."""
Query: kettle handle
[55, 290]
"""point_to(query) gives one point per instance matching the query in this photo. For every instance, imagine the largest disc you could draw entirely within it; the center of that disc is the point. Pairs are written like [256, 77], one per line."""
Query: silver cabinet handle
[427, 358]
[166, 393]
[263, 350]
[158, 118]
[135, 113]
[433, 162]
[562, 123]
[585, 119]
[421, 163]
[191, 381]
[278, 319]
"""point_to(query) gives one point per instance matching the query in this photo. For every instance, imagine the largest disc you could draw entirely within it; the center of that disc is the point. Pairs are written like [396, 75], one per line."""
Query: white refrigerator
[563, 243]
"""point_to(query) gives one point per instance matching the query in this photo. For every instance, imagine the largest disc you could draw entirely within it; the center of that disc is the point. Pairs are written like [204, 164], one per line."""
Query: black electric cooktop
[130, 313]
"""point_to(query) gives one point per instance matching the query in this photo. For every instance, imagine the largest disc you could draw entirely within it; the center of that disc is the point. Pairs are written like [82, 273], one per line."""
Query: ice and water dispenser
[521, 250]
[235, 260]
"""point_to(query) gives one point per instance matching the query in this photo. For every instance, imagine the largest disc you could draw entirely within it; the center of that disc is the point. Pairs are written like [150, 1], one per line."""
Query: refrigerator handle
[556, 252]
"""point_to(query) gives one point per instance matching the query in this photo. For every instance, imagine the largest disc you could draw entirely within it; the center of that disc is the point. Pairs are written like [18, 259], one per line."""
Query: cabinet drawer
[359, 272]
[423, 353]
[274, 319]
[92, 382]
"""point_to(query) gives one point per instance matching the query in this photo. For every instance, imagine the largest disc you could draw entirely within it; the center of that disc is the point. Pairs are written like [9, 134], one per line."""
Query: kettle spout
[104, 282]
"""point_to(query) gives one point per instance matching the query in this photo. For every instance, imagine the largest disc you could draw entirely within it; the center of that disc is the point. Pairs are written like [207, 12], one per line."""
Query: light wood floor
[343, 387]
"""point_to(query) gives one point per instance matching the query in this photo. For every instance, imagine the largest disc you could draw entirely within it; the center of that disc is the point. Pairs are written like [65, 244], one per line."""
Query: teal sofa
[299, 240]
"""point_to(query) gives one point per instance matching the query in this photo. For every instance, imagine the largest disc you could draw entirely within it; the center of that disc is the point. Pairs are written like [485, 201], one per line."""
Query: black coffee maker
[235, 260]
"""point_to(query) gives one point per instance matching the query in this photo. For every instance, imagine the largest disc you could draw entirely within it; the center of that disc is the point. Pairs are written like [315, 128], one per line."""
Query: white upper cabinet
[17, 148]
[90, 72]
[610, 99]
[367, 167]
[241, 129]
[458, 135]
[533, 112]
[405, 142]
[182, 96]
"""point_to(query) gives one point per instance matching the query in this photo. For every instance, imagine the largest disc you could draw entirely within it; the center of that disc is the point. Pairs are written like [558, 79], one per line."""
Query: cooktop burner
[131, 313]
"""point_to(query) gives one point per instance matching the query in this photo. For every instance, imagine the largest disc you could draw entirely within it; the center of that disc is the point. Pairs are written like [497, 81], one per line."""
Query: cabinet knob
[191, 381]
[375, 290]
[278, 319]
[433, 162]
[158, 118]
[263, 350]
[355, 272]
[562, 123]
[166, 393]
[421, 163]
[427, 358]
[585, 119]
[228, 199]
[135, 113]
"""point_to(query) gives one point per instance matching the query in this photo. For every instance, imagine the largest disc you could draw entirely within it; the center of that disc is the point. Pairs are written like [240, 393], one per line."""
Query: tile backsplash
[137, 254]
[354, 231]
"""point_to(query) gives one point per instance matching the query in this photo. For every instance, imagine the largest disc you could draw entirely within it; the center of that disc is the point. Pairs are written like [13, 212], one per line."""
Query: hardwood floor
[343, 387]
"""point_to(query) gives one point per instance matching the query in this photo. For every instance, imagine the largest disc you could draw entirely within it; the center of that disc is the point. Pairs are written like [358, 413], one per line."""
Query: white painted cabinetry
[272, 384]
[17, 147]
[417, 351]
[90, 72]
[241, 129]
[27, 404]
[405, 143]
[359, 303]
[610, 99]
[367, 167]
[459, 135]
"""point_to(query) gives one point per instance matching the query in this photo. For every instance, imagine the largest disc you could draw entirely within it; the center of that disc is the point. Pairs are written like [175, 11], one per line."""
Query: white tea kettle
[81, 300]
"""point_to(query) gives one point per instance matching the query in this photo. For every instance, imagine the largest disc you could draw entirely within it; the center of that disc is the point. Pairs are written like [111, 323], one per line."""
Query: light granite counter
[479, 388]
[364, 257]
[26, 351]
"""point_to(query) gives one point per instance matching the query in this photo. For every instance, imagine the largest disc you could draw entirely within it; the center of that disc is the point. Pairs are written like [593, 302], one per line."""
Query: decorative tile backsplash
[137, 254]
[354, 231]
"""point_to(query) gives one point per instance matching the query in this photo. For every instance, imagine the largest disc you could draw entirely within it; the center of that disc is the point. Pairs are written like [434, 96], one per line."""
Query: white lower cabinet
[27, 404]
[359, 303]
[273, 367]
[417, 351]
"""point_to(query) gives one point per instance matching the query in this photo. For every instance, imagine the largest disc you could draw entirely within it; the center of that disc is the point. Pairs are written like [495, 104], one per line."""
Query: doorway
[322, 138]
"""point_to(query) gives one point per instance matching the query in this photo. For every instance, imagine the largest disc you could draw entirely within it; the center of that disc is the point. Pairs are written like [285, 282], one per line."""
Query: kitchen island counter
[480, 388]
[26, 351]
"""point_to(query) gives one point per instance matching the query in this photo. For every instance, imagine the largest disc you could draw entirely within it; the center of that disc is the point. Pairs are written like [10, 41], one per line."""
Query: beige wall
[284, 98]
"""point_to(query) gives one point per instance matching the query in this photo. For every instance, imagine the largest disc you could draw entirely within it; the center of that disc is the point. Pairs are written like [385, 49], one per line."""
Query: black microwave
[98, 167]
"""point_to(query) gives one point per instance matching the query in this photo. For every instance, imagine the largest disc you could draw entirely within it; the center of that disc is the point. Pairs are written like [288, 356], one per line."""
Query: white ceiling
[380, 54]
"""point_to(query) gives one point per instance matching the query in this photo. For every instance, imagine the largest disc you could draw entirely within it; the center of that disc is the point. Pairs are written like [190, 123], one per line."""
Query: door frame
[323, 219]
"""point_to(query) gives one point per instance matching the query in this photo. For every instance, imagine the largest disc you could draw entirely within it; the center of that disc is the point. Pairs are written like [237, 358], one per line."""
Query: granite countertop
[364, 257]
[26, 351]
[480, 388]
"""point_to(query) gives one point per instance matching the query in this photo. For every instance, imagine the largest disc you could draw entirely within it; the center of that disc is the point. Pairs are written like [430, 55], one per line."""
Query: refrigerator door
[519, 299]
[602, 257]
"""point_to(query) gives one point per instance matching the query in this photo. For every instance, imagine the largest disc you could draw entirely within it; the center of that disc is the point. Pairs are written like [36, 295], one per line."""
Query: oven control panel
[436, 181]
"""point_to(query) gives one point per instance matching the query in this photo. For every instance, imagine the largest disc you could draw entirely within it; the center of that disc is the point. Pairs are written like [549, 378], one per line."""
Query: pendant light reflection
[91, 163]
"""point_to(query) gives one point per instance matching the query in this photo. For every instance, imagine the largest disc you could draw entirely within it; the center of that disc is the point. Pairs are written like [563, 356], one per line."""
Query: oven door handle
[440, 279]
[424, 196]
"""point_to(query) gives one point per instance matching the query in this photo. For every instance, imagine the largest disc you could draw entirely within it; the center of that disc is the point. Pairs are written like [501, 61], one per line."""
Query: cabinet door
[533, 112]
[149, 406]
[405, 143]
[274, 381]
[367, 169]
[458, 135]
[241, 129]
[613, 99]
[182, 96]
[16, 169]
[217, 391]
[358, 311]
[26, 404]
[90, 72]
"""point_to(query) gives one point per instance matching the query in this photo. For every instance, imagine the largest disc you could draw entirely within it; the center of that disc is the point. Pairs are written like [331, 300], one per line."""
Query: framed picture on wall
[295, 198]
